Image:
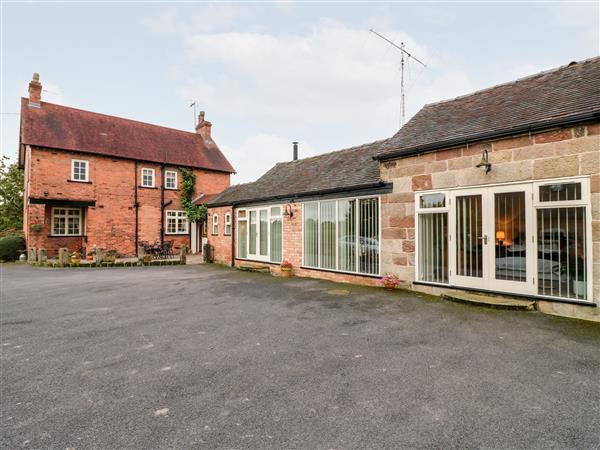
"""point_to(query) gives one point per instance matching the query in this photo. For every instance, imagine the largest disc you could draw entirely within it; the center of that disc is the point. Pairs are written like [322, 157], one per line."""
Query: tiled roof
[343, 169]
[61, 127]
[567, 91]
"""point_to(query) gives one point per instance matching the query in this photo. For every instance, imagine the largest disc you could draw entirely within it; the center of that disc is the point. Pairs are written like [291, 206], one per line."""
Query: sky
[268, 74]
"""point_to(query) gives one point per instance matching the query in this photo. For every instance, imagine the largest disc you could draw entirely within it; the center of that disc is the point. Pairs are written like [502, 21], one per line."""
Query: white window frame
[270, 219]
[151, 171]
[215, 224]
[86, 163]
[180, 217]
[357, 222]
[174, 174]
[536, 204]
[66, 217]
[227, 220]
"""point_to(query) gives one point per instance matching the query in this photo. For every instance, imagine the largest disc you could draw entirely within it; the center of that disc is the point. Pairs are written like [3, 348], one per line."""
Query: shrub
[11, 247]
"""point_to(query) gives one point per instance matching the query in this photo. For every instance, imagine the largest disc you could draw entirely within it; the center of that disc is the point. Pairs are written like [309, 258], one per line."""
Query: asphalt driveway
[203, 356]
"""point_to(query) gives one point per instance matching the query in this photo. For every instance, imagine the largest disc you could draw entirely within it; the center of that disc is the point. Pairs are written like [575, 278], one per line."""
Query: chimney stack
[35, 90]
[295, 150]
[203, 127]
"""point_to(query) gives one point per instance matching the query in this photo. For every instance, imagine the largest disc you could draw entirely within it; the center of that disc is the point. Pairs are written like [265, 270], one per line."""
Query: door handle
[484, 239]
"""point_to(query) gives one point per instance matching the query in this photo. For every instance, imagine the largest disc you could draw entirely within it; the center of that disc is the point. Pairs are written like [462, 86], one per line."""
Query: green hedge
[10, 248]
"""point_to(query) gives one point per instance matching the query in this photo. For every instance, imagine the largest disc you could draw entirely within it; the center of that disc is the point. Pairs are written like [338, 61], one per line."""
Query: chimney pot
[295, 145]
[35, 90]
[204, 127]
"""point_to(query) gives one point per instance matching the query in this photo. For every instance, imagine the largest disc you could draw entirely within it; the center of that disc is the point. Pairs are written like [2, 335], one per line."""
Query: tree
[11, 195]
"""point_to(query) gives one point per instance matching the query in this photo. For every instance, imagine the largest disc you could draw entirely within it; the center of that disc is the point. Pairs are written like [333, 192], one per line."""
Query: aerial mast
[403, 52]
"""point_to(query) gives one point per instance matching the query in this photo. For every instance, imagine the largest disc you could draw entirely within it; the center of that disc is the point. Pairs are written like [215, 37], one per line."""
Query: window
[260, 233]
[79, 170]
[227, 223]
[242, 234]
[66, 222]
[170, 179]
[215, 224]
[432, 243]
[147, 177]
[342, 235]
[176, 222]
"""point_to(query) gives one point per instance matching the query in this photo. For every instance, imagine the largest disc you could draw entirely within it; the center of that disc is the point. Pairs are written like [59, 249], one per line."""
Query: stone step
[491, 301]
[255, 268]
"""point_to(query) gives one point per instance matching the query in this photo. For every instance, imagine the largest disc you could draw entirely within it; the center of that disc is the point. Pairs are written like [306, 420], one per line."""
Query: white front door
[491, 239]
[258, 234]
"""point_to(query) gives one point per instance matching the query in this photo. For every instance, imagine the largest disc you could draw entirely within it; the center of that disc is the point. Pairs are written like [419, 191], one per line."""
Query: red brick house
[98, 180]
[495, 191]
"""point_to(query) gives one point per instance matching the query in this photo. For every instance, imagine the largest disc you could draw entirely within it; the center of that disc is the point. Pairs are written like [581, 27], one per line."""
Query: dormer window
[147, 177]
[79, 170]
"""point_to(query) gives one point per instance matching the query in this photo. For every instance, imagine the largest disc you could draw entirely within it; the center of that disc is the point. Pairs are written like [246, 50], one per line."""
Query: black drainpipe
[136, 205]
[232, 236]
[162, 200]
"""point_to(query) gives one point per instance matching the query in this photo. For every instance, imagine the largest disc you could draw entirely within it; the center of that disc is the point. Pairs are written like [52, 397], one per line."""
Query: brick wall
[221, 242]
[558, 153]
[110, 223]
[292, 249]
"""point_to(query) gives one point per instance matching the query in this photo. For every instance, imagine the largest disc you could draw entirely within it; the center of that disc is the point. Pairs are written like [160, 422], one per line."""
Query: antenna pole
[195, 115]
[403, 52]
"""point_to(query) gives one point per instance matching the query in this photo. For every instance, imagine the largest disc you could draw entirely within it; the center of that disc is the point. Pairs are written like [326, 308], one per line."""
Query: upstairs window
[79, 170]
[170, 179]
[215, 224]
[147, 177]
[227, 223]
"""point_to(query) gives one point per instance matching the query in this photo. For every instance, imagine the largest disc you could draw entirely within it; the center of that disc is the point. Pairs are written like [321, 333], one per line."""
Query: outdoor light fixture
[485, 163]
[287, 211]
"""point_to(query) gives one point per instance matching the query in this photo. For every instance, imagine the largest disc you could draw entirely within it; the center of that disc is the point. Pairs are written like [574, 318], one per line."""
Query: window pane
[242, 239]
[432, 201]
[469, 236]
[264, 230]
[369, 236]
[511, 236]
[252, 234]
[59, 225]
[276, 240]
[433, 247]
[327, 248]
[562, 259]
[560, 192]
[311, 238]
[275, 211]
[347, 235]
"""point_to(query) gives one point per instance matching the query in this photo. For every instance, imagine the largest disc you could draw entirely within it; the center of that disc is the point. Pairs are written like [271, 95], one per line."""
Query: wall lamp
[287, 211]
[485, 163]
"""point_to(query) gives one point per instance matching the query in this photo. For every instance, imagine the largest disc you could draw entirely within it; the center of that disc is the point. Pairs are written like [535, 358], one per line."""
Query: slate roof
[351, 168]
[61, 127]
[568, 91]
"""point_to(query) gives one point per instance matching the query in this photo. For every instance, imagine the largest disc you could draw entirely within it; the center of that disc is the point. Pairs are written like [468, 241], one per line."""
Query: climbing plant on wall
[194, 213]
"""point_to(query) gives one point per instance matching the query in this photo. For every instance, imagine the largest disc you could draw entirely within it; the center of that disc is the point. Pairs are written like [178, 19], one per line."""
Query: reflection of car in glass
[367, 245]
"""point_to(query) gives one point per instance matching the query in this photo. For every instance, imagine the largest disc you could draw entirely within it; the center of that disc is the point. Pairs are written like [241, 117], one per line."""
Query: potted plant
[37, 227]
[147, 258]
[75, 258]
[111, 256]
[390, 281]
[90, 256]
[286, 269]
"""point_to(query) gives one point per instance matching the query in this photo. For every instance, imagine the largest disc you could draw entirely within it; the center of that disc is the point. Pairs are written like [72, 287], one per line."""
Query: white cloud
[332, 84]
[257, 153]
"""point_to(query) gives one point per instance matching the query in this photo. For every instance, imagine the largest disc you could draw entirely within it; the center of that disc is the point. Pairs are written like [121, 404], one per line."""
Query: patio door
[491, 239]
[258, 234]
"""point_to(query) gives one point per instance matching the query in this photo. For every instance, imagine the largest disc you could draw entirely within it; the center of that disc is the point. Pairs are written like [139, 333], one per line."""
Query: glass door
[258, 234]
[512, 259]
[471, 240]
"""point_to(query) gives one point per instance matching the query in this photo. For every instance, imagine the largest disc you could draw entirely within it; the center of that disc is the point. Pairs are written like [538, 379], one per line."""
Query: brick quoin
[110, 224]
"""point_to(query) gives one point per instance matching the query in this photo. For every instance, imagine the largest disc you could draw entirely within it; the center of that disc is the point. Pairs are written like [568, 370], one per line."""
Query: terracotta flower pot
[286, 272]
[390, 286]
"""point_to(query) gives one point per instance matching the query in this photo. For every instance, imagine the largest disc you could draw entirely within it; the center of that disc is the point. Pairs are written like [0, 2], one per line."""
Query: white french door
[258, 234]
[492, 245]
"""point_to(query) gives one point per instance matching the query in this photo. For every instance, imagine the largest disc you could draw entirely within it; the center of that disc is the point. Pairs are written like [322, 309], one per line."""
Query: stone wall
[557, 153]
